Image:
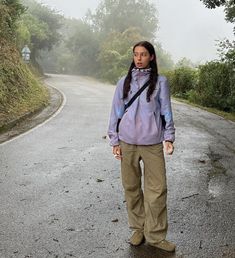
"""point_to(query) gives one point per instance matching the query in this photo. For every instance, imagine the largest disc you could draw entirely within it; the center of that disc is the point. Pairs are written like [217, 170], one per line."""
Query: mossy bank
[21, 92]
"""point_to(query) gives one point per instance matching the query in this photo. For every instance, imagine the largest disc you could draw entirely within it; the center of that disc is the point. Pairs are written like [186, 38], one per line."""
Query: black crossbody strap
[136, 95]
[132, 100]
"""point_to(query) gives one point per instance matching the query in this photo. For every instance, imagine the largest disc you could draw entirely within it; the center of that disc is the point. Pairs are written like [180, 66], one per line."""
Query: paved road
[61, 195]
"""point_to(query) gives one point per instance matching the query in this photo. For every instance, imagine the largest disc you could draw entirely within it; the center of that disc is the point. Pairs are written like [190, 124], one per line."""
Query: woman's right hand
[117, 152]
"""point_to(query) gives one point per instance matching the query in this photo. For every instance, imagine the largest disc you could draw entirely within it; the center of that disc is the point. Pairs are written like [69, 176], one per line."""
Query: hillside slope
[20, 91]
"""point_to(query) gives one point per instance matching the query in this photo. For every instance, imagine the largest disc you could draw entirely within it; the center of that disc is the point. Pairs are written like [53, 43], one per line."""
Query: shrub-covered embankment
[211, 85]
[20, 91]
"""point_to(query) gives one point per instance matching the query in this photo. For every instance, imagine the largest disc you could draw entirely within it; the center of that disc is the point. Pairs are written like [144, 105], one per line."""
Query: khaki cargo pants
[146, 208]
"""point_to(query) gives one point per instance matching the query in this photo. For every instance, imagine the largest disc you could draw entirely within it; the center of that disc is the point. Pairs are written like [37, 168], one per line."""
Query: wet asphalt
[61, 193]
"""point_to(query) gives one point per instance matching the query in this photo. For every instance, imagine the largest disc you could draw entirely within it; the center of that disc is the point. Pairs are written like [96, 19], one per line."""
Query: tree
[213, 3]
[229, 8]
[182, 80]
[60, 59]
[185, 62]
[10, 12]
[216, 86]
[226, 48]
[39, 28]
[84, 46]
[118, 15]
[164, 59]
[116, 52]
[20, 92]
[101, 44]
[227, 51]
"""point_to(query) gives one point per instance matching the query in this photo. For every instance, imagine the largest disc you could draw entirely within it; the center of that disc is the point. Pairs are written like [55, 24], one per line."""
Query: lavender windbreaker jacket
[143, 122]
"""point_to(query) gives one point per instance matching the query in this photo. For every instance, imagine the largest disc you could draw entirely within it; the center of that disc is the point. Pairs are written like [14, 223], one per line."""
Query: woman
[139, 136]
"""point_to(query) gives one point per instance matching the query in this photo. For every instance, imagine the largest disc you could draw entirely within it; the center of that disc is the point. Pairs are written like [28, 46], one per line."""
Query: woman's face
[142, 57]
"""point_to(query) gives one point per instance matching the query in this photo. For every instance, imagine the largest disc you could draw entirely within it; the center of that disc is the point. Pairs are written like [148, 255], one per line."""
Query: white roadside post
[26, 53]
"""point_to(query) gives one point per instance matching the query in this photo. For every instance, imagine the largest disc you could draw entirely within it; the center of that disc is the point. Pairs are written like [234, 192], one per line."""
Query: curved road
[61, 194]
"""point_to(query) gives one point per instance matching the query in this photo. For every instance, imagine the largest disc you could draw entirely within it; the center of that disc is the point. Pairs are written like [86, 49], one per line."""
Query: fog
[187, 28]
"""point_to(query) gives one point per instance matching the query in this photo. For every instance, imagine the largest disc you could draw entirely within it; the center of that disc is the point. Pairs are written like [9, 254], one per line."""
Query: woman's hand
[117, 152]
[169, 147]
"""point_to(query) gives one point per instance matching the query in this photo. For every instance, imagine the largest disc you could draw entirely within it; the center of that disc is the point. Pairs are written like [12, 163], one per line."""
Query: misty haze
[186, 27]
[117, 119]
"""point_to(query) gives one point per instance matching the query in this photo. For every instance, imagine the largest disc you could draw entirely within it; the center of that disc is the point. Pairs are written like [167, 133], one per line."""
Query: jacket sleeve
[166, 111]
[117, 111]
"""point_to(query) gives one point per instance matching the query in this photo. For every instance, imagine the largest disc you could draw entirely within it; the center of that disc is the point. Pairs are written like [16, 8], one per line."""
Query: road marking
[43, 123]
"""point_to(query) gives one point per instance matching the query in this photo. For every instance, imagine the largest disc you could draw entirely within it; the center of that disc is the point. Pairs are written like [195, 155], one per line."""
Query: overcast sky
[187, 28]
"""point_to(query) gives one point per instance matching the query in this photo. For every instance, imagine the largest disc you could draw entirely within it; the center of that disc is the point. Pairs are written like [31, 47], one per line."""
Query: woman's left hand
[169, 148]
[117, 152]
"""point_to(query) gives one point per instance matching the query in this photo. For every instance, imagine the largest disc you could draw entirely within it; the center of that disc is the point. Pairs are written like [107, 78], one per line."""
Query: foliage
[60, 59]
[213, 3]
[20, 91]
[211, 85]
[98, 45]
[227, 51]
[38, 28]
[117, 16]
[102, 44]
[10, 12]
[216, 86]
[230, 11]
[182, 80]
[84, 46]
[115, 54]
[185, 62]
[229, 8]
[31, 31]
[164, 59]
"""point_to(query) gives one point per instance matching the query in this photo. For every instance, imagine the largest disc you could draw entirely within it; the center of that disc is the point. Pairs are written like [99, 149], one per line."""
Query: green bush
[10, 11]
[20, 91]
[182, 80]
[216, 86]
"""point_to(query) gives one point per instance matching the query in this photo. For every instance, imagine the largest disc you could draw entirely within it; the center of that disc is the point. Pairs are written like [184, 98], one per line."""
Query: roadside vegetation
[211, 85]
[100, 45]
[20, 90]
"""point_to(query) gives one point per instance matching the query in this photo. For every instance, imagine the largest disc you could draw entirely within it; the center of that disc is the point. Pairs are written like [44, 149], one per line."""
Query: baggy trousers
[146, 208]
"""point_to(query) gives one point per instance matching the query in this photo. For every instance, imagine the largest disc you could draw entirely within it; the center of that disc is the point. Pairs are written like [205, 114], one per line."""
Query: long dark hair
[153, 73]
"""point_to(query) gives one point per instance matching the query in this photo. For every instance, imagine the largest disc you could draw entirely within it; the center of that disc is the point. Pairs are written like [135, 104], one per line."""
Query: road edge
[32, 120]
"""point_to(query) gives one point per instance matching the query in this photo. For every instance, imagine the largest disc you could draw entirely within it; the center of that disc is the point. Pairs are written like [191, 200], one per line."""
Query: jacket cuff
[169, 141]
[114, 141]
[169, 138]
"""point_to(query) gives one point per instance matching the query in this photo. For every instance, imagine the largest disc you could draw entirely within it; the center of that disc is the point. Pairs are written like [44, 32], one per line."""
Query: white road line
[43, 123]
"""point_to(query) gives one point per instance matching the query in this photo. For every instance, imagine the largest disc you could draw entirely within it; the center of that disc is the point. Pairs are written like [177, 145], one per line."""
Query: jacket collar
[139, 72]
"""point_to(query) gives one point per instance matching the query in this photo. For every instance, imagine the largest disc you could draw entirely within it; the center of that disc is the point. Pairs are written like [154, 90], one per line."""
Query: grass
[20, 90]
[225, 115]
